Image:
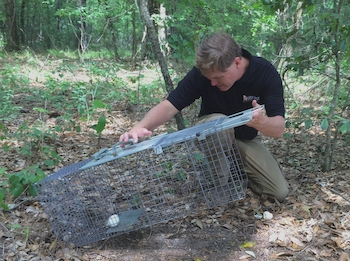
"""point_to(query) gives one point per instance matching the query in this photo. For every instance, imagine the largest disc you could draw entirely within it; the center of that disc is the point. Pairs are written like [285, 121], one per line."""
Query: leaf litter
[312, 224]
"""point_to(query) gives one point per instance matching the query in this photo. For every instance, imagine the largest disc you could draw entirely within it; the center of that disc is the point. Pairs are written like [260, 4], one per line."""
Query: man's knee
[281, 193]
[277, 193]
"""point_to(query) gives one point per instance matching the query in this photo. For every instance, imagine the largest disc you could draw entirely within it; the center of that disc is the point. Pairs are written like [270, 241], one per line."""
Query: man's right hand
[158, 115]
[135, 134]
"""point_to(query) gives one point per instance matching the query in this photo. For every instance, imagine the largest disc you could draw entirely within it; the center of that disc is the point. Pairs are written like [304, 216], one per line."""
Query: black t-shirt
[260, 82]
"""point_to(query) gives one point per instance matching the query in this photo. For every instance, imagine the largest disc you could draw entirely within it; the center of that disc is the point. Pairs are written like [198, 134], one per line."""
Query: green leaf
[307, 111]
[100, 124]
[14, 179]
[32, 191]
[49, 163]
[16, 190]
[324, 124]
[287, 135]
[2, 170]
[344, 128]
[99, 104]
[2, 193]
[199, 158]
[181, 176]
[40, 173]
[3, 205]
[15, 226]
[288, 123]
[342, 46]
[248, 244]
[308, 124]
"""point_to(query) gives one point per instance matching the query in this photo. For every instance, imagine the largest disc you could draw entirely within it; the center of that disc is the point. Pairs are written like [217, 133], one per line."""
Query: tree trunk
[11, 29]
[22, 16]
[83, 41]
[287, 49]
[113, 31]
[162, 30]
[159, 56]
[134, 40]
[331, 143]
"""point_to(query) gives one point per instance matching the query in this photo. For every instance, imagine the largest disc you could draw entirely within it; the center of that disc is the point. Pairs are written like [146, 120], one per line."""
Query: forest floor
[312, 224]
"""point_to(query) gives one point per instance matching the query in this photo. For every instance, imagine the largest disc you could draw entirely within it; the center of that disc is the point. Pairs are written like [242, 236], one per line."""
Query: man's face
[224, 80]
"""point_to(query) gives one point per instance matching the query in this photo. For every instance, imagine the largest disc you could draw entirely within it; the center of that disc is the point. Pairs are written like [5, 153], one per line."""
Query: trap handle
[113, 150]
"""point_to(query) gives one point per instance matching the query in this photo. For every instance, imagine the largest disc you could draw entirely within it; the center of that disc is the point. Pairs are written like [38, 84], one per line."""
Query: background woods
[307, 41]
[74, 74]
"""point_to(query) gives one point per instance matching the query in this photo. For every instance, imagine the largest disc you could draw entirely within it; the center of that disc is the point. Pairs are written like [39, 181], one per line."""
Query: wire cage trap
[163, 178]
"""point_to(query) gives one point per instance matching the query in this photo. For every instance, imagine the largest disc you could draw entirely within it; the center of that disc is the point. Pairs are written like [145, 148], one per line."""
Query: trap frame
[160, 179]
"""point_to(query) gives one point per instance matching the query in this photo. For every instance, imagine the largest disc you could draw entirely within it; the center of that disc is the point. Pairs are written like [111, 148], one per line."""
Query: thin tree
[331, 142]
[159, 55]
[11, 29]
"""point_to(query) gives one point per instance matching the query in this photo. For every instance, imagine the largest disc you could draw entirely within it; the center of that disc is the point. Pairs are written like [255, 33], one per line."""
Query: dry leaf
[33, 247]
[297, 241]
[284, 254]
[296, 247]
[199, 223]
[251, 253]
[283, 239]
[52, 245]
[339, 241]
[273, 238]
[228, 226]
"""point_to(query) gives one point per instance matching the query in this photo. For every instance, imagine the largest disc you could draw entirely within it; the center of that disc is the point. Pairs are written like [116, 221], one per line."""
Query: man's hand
[259, 117]
[269, 126]
[158, 115]
[135, 133]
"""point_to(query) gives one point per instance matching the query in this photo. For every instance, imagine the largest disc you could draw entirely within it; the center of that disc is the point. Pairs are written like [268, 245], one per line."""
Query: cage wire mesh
[163, 178]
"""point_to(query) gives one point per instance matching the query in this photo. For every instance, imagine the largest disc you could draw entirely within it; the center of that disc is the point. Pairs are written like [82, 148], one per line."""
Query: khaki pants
[265, 176]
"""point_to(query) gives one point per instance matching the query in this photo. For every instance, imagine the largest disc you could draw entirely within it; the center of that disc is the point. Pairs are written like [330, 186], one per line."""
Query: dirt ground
[312, 224]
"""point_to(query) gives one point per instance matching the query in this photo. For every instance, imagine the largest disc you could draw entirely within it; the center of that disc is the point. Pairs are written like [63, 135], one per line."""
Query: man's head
[219, 58]
[217, 52]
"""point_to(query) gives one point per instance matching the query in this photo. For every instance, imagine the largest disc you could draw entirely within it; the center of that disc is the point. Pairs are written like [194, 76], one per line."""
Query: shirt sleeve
[187, 90]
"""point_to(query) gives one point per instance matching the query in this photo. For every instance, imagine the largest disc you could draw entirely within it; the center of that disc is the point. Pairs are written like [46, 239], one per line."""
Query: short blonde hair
[217, 52]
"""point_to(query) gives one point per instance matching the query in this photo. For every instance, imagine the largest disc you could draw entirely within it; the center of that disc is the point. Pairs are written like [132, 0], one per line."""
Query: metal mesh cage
[157, 180]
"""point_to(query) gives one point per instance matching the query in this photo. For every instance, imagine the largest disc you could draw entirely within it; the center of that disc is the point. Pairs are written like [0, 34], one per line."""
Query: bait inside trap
[163, 178]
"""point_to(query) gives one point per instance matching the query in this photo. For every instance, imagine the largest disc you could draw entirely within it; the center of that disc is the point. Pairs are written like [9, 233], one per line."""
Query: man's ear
[237, 61]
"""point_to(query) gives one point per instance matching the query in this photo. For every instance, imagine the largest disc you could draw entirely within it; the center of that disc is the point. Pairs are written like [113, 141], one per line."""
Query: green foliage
[11, 80]
[183, 50]
[23, 181]
[198, 158]
[324, 124]
[33, 147]
[19, 183]
[344, 126]
[101, 123]
[147, 94]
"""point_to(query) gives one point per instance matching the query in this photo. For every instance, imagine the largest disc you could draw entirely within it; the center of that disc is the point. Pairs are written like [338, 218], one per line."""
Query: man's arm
[158, 115]
[268, 126]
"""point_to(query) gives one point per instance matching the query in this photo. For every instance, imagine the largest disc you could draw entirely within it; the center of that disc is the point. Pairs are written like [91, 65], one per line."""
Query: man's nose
[214, 82]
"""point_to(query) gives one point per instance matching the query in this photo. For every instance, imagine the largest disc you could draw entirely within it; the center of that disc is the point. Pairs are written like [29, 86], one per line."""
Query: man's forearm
[271, 126]
[158, 115]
